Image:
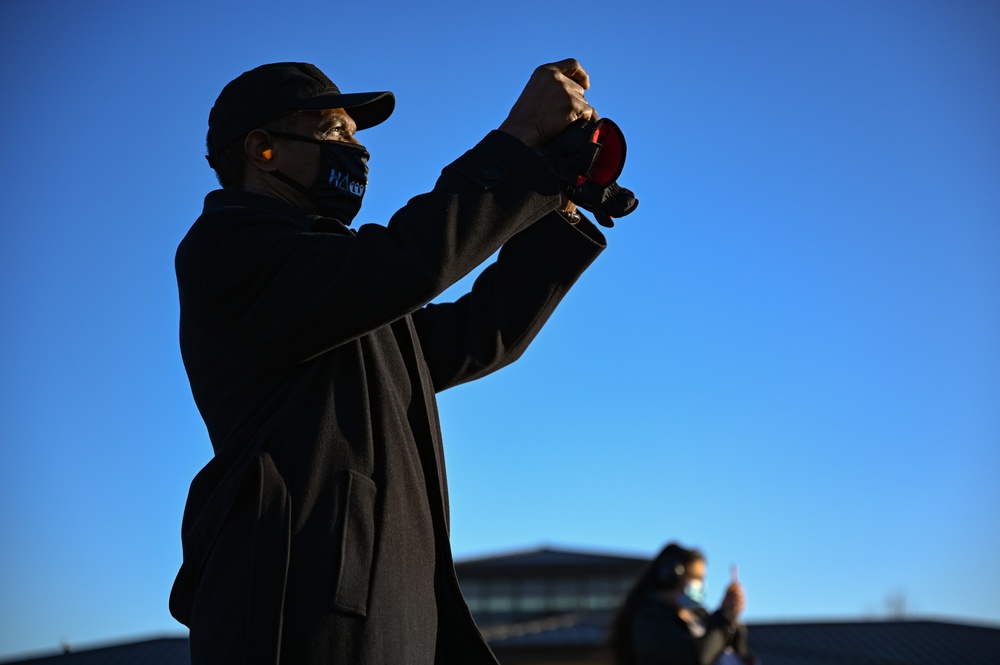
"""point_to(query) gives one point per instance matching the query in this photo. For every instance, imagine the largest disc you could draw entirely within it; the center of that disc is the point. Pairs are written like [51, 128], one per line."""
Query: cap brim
[367, 109]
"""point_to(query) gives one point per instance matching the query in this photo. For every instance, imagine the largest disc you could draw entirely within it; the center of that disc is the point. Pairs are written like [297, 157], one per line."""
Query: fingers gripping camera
[589, 156]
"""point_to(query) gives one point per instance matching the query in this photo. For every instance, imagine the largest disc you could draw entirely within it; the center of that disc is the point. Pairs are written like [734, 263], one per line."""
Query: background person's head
[678, 573]
[675, 571]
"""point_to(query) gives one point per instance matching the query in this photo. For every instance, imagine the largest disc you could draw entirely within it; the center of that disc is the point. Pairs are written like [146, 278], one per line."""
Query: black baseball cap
[264, 93]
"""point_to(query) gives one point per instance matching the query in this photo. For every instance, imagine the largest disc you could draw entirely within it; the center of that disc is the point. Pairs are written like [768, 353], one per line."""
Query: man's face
[336, 125]
[300, 159]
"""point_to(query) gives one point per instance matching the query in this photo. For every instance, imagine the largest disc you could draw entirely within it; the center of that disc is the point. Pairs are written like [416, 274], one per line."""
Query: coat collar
[219, 199]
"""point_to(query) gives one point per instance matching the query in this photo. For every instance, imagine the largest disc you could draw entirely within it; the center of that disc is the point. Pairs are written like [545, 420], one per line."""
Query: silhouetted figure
[318, 533]
[663, 620]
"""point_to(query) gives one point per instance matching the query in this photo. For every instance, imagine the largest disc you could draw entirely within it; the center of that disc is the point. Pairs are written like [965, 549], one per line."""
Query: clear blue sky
[789, 355]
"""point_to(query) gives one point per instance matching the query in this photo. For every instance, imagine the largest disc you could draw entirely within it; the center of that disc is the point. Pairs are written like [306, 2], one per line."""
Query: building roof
[919, 642]
[568, 630]
[897, 642]
[548, 559]
[158, 651]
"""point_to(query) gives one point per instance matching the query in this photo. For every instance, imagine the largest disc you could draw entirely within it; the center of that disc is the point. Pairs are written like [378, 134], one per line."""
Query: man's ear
[259, 149]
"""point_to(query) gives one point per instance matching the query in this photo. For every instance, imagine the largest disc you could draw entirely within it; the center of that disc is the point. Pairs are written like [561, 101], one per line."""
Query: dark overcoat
[318, 533]
[661, 637]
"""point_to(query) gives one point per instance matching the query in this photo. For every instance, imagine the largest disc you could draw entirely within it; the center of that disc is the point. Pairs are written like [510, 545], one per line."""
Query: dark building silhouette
[527, 586]
[547, 605]
[550, 606]
[158, 651]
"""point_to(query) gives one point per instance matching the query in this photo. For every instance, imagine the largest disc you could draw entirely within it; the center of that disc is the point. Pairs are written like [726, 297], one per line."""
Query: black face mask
[342, 179]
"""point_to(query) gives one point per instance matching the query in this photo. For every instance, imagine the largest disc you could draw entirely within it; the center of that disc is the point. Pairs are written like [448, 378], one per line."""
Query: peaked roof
[548, 557]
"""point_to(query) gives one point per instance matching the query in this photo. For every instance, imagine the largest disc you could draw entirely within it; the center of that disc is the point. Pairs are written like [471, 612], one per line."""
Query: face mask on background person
[694, 595]
[341, 181]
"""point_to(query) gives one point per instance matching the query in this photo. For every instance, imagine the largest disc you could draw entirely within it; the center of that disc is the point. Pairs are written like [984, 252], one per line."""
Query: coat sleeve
[492, 325]
[280, 295]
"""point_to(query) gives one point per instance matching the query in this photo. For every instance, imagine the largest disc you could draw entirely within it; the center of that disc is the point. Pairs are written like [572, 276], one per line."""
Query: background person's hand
[734, 600]
[551, 100]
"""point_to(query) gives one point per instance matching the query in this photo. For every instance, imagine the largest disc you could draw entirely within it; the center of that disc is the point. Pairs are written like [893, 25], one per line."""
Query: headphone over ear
[669, 572]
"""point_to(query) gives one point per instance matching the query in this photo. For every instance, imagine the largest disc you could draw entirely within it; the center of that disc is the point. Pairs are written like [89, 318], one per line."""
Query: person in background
[663, 620]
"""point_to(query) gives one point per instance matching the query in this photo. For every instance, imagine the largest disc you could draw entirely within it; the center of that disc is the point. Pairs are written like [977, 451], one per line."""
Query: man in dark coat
[318, 533]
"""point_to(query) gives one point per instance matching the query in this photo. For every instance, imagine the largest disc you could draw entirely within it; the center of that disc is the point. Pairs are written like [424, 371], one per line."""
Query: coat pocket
[354, 535]
[236, 612]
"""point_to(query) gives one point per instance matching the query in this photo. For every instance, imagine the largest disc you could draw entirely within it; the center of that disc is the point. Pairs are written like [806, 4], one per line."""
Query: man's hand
[551, 100]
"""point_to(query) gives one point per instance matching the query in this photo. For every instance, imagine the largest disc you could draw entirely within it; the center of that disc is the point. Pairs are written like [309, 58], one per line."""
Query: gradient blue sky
[789, 355]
